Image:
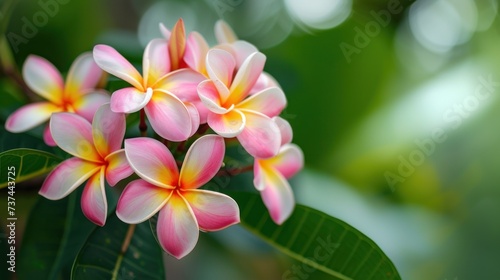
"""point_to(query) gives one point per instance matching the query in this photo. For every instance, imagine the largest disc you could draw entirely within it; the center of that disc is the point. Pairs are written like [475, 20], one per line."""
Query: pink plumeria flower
[187, 53]
[271, 174]
[184, 208]
[241, 50]
[97, 158]
[156, 90]
[79, 95]
[233, 113]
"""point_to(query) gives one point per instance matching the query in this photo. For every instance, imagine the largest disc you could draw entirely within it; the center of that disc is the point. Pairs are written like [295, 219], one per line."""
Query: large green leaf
[319, 241]
[54, 233]
[102, 258]
[28, 164]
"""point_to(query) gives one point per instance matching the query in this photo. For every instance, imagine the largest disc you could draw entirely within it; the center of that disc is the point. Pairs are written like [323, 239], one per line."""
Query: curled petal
[152, 161]
[220, 67]
[277, 196]
[181, 83]
[269, 102]
[202, 111]
[114, 63]
[177, 228]
[177, 44]
[289, 160]
[203, 160]
[213, 211]
[168, 116]
[118, 167]
[140, 200]
[261, 136]
[224, 33]
[29, 116]
[156, 61]
[43, 78]
[108, 130]
[83, 75]
[285, 130]
[47, 137]
[209, 96]
[196, 51]
[130, 100]
[258, 180]
[246, 77]
[87, 105]
[164, 31]
[73, 134]
[264, 81]
[66, 177]
[195, 117]
[94, 203]
[227, 125]
[240, 50]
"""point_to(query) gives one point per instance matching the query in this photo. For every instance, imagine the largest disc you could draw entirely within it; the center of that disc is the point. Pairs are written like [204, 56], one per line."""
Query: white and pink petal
[73, 134]
[140, 200]
[168, 116]
[261, 136]
[44, 79]
[277, 196]
[93, 201]
[108, 130]
[30, 116]
[246, 77]
[203, 160]
[156, 61]
[117, 167]
[213, 211]
[289, 160]
[230, 124]
[66, 177]
[114, 63]
[130, 100]
[83, 75]
[86, 105]
[177, 228]
[152, 161]
[270, 102]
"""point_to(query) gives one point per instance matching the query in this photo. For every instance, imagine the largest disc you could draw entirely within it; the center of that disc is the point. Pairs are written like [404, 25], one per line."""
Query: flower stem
[143, 127]
[234, 171]
[123, 250]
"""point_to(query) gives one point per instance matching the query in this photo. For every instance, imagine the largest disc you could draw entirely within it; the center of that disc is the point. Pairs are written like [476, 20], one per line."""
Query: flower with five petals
[156, 90]
[236, 113]
[78, 95]
[184, 208]
[97, 158]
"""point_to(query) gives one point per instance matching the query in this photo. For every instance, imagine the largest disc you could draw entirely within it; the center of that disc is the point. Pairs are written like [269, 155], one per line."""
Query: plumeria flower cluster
[189, 93]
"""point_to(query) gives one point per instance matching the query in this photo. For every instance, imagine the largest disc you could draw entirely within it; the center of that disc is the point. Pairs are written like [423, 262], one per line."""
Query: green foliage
[108, 255]
[54, 233]
[28, 164]
[319, 241]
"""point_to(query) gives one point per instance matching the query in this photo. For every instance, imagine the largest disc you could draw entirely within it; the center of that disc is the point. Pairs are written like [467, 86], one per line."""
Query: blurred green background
[395, 104]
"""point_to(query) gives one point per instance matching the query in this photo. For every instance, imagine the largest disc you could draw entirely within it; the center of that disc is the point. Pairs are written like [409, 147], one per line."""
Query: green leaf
[54, 233]
[102, 258]
[28, 163]
[319, 241]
